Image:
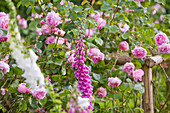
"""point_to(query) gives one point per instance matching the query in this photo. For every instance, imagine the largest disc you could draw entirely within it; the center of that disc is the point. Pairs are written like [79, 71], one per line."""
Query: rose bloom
[101, 92]
[101, 23]
[62, 2]
[129, 67]
[53, 19]
[124, 46]
[18, 17]
[46, 30]
[4, 67]
[50, 39]
[89, 32]
[139, 52]
[161, 38]
[93, 52]
[97, 58]
[60, 41]
[23, 89]
[123, 28]
[60, 32]
[38, 31]
[164, 48]
[4, 20]
[114, 82]
[39, 92]
[4, 38]
[42, 22]
[23, 23]
[137, 74]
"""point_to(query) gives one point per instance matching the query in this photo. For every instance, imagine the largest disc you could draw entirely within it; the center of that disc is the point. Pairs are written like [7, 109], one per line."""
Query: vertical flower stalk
[82, 71]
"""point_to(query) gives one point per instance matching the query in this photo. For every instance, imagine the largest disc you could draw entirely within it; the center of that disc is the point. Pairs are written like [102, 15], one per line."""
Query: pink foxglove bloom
[164, 48]
[101, 23]
[45, 29]
[60, 33]
[62, 2]
[124, 46]
[4, 67]
[139, 52]
[129, 68]
[53, 19]
[161, 38]
[23, 89]
[114, 82]
[137, 74]
[3, 91]
[123, 28]
[82, 71]
[23, 23]
[39, 92]
[67, 20]
[101, 92]
[89, 32]
[50, 39]
[42, 22]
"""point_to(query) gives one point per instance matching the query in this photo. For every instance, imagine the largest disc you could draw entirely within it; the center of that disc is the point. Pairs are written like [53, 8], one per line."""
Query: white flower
[83, 102]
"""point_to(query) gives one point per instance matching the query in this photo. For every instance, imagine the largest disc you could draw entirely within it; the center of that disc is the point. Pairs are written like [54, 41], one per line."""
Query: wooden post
[147, 98]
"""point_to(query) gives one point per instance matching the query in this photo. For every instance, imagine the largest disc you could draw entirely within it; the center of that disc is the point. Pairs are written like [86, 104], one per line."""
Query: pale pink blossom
[164, 48]
[157, 8]
[45, 29]
[38, 31]
[137, 74]
[54, 29]
[107, 15]
[114, 82]
[123, 28]
[50, 39]
[124, 46]
[36, 15]
[92, 15]
[67, 20]
[129, 67]
[139, 1]
[162, 18]
[60, 41]
[4, 67]
[101, 23]
[18, 17]
[161, 38]
[42, 22]
[23, 89]
[39, 92]
[98, 16]
[3, 91]
[53, 19]
[4, 20]
[129, 10]
[101, 92]
[89, 32]
[60, 33]
[54, 8]
[23, 23]
[139, 52]
[156, 22]
[62, 2]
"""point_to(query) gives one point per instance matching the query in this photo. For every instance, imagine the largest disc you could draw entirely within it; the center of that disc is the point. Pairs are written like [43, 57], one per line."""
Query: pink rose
[50, 39]
[114, 82]
[93, 52]
[36, 15]
[123, 28]
[54, 8]
[3, 91]
[38, 31]
[4, 20]
[4, 67]
[164, 48]
[54, 29]
[89, 32]
[139, 52]
[137, 74]
[42, 22]
[60, 33]
[67, 20]
[124, 46]
[23, 23]
[46, 30]
[129, 67]
[4, 38]
[98, 16]
[101, 23]
[23, 89]
[39, 92]
[161, 38]
[18, 17]
[60, 41]
[53, 19]
[101, 92]
[62, 2]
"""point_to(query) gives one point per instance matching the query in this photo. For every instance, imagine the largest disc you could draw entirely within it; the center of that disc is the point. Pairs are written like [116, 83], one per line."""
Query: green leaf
[43, 101]
[125, 36]
[3, 32]
[73, 15]
[39, 45]
[50, 62]
[139, 88]
[116, 96]
[138, 110]
[57, 101]
[59, 62]
[56, 77]
[96, 76]
[23, 106]
[163, 2]
[77, 9]
[106, 7]
[13, 87]
[63, 70]
[25, 2]
[113, 29]
[145, 4]
[1, 74]
[84, 2]
[37, 9]
[99, 41]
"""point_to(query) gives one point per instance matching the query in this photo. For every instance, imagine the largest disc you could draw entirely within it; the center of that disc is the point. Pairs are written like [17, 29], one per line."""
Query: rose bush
[58, 56]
